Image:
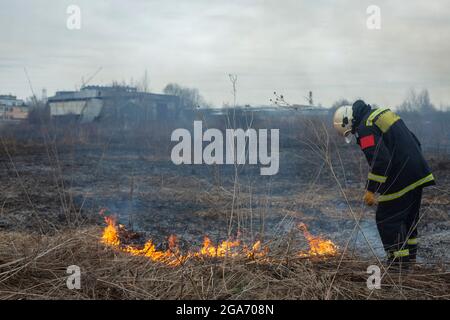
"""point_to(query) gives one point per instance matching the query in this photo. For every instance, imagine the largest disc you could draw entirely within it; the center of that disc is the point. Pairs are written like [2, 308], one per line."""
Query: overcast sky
[288, 46]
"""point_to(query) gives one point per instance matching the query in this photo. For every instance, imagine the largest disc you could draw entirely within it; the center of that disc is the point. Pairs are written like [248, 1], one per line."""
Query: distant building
[12, 108]
[115, 103]
[269, 110]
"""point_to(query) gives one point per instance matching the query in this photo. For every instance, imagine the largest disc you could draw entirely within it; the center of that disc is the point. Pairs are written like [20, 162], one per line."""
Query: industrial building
[113, 103]
[12, 108]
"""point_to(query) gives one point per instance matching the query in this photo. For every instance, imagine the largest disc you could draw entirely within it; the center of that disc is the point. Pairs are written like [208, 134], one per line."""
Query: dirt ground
[46, 189]
[55, 183]
[51, 196]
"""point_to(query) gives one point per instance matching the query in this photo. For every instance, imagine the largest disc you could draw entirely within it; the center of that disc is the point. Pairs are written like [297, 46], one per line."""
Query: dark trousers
[397, 224]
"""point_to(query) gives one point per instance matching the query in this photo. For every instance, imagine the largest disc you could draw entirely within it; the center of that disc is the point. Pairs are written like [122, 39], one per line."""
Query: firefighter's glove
[369, 198]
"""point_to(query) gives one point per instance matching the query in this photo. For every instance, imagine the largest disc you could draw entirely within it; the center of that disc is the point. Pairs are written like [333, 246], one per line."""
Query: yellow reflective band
[412, 241]
[392, 196]
[373, 115]
[377, 178]
[386, 120]
[401, 253]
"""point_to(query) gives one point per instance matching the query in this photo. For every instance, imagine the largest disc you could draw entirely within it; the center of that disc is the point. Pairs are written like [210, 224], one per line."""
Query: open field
[53, 191]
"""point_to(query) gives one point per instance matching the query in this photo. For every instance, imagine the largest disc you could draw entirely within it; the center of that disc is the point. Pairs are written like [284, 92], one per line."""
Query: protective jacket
[397, 165]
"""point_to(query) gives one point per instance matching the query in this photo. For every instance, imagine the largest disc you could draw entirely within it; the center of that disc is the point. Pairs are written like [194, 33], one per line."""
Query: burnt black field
[65, 181]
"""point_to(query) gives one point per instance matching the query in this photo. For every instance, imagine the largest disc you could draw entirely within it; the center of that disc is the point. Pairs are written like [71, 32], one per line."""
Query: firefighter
[398, 173]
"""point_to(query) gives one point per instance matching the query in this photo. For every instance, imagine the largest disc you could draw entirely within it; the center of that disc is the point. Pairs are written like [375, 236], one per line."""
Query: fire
[111, 234]
[229, 248]
[172, 256]
[317, 245]
[225, 248]
[111, 238]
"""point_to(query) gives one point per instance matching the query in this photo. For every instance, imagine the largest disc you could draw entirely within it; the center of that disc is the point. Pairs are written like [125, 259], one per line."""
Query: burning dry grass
[113, 234]
[34, 267]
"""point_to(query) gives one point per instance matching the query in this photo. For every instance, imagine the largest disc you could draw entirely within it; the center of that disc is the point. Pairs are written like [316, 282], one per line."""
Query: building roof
[10, 100]
[105, 92]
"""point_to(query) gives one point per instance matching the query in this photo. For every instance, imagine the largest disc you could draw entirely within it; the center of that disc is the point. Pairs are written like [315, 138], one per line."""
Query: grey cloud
[289, 46]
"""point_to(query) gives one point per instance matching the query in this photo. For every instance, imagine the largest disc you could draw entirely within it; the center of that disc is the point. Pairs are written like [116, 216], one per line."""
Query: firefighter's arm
[377, 155]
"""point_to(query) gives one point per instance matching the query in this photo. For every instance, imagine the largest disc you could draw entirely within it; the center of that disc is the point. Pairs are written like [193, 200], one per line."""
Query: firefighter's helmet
[342, 122]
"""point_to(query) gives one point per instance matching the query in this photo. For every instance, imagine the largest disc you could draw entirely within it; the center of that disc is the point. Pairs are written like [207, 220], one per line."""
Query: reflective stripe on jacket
[397, 165]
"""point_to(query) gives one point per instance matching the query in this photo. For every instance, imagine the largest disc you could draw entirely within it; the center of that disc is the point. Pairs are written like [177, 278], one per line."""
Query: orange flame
[172, 256]
[111, 234]
[225, 248]
[317, 245]
[228, 248]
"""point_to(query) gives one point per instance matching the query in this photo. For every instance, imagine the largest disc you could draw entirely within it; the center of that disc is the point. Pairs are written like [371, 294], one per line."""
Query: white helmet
[342, 121]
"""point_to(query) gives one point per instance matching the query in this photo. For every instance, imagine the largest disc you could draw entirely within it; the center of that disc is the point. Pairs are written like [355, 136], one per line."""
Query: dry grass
[34, 267]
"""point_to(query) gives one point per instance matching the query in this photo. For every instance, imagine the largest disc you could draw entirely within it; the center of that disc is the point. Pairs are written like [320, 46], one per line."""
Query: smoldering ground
[55, 187]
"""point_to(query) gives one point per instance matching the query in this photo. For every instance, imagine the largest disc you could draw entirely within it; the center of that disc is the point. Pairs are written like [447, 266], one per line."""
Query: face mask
[348, 138]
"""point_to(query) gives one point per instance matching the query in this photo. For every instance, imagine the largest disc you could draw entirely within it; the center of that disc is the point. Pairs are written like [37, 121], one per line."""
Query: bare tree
[417, 102]
[189, 97]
